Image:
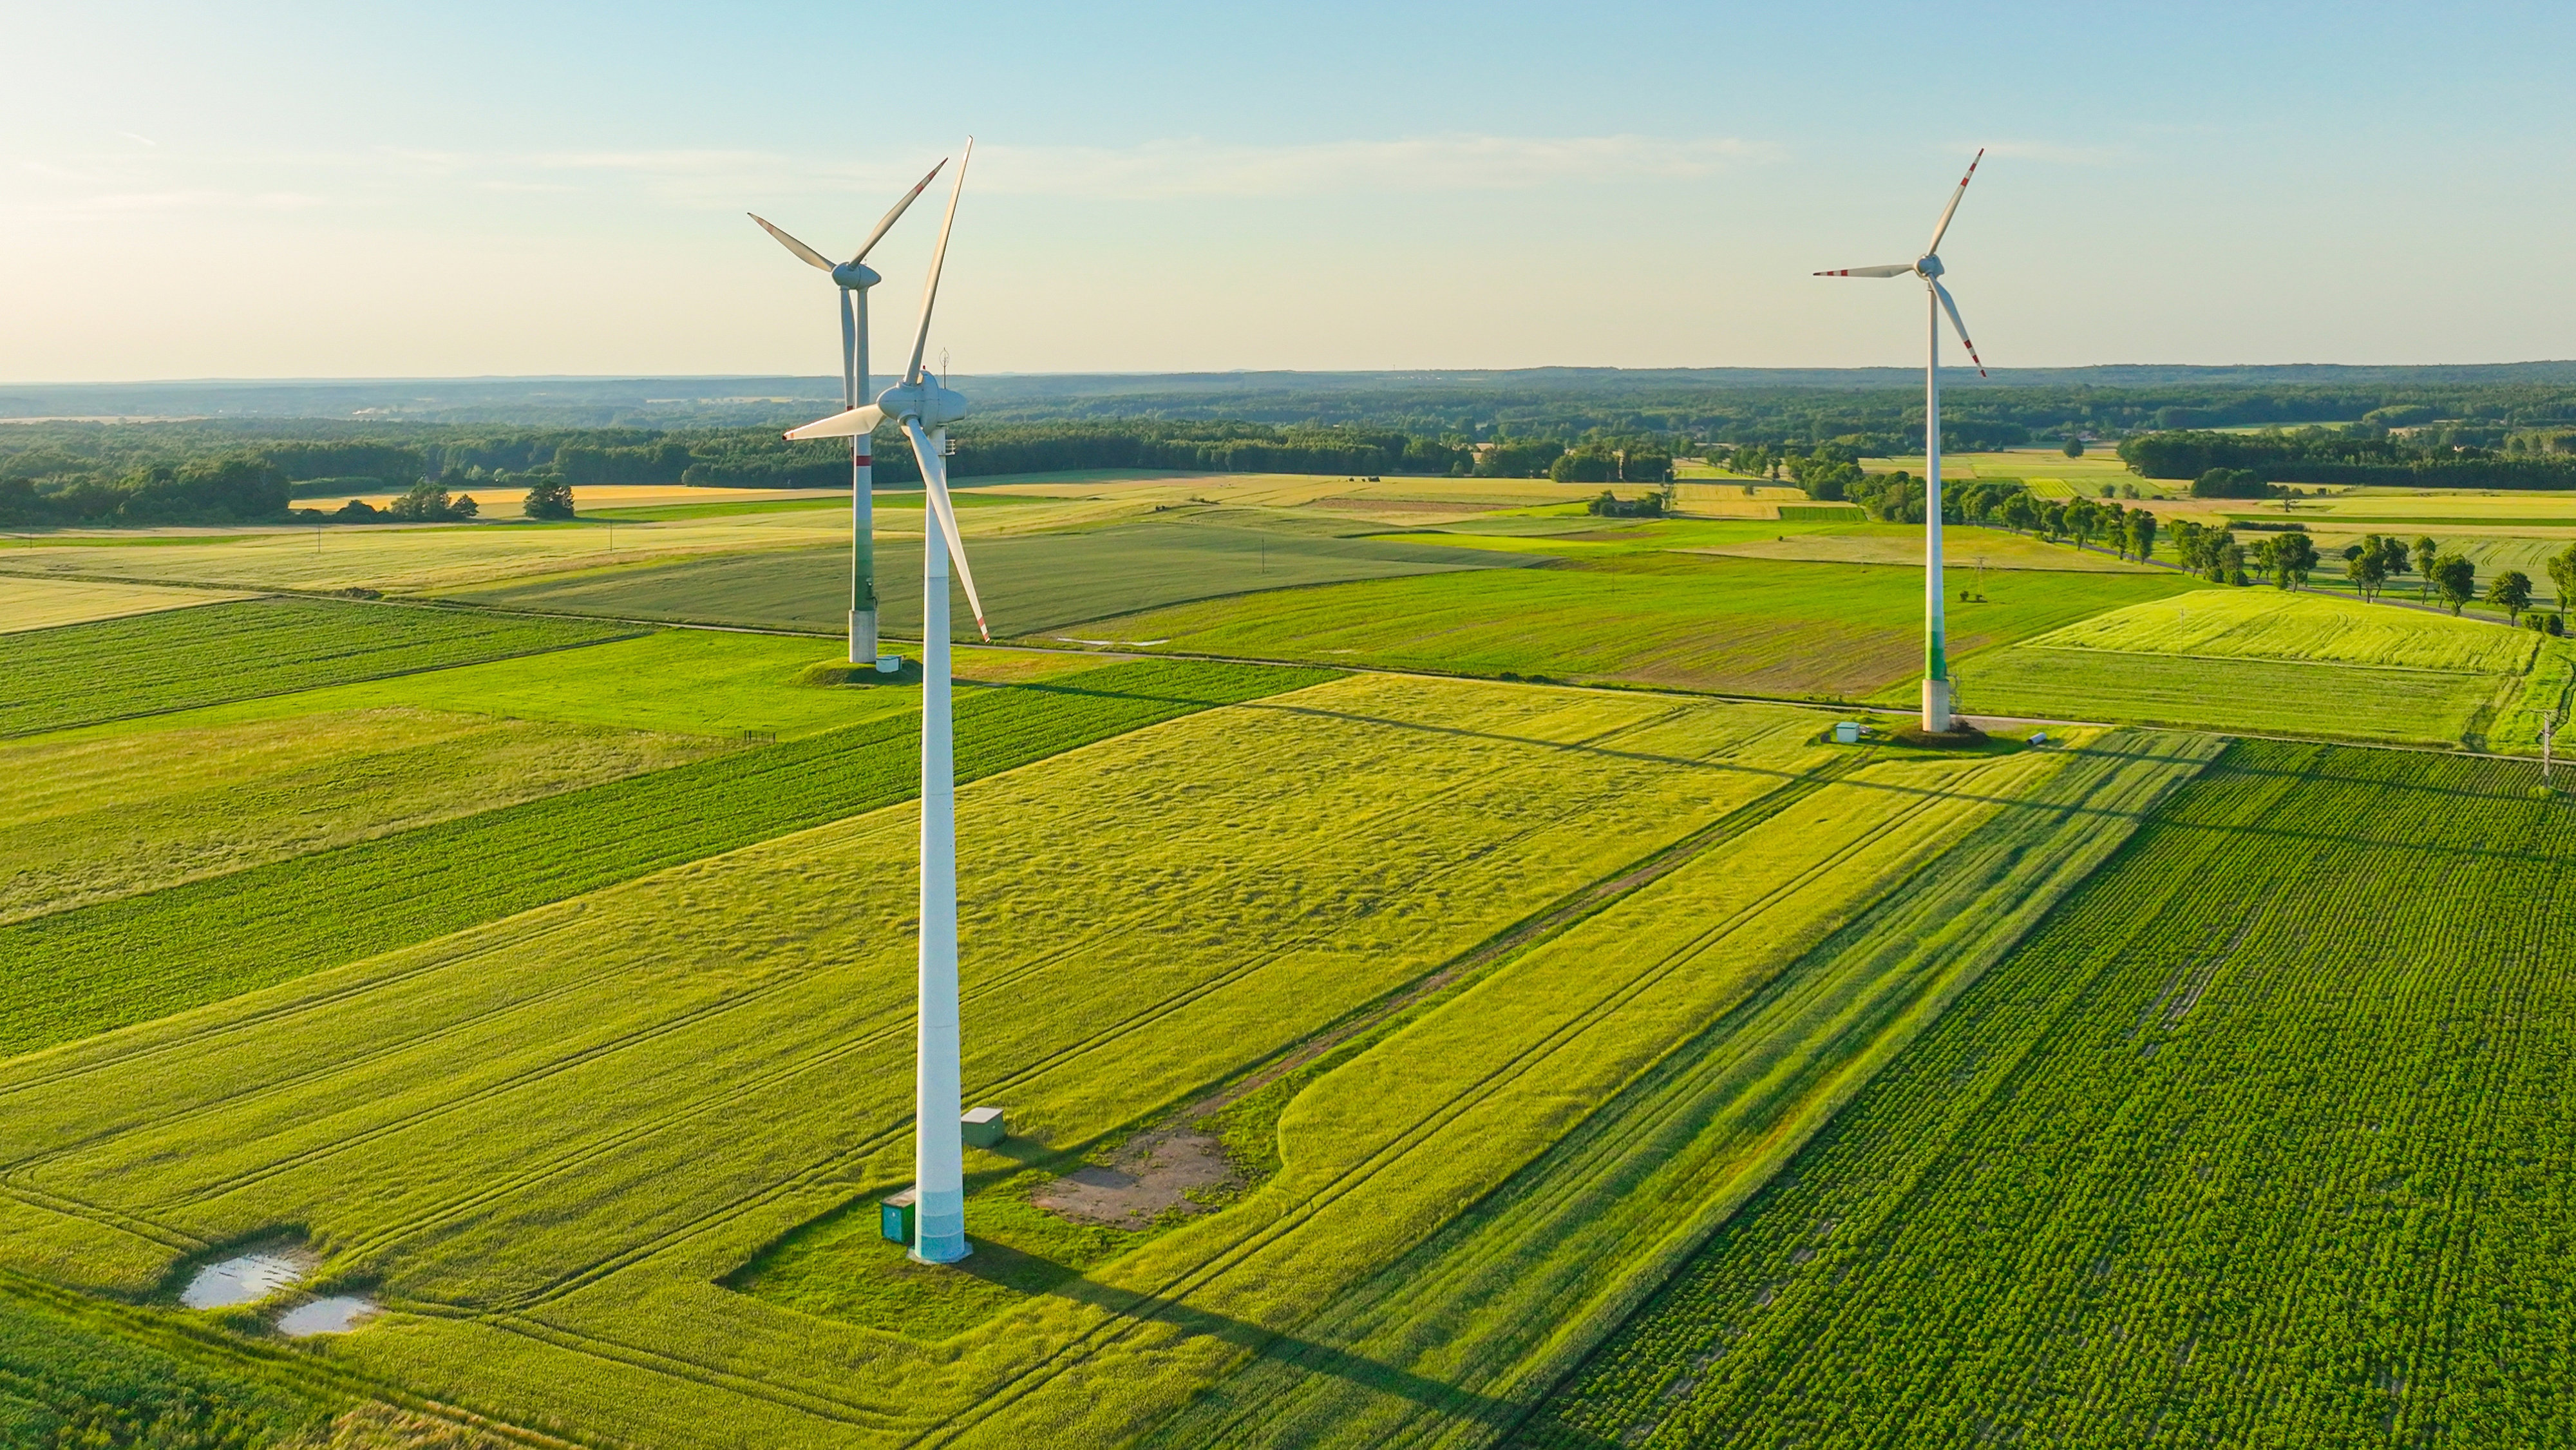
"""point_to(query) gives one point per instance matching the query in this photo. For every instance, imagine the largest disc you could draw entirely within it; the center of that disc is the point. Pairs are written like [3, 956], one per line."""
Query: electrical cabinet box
[1847, 732]
[982, 1127]
[894, 1218]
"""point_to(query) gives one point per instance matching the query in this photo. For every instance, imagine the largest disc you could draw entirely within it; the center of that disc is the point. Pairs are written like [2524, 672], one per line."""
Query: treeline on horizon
[180, 473]
[246, 470]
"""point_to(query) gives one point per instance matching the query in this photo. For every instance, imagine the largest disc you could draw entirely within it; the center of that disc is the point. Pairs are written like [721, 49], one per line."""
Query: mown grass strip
[81, 972]
[82, 674]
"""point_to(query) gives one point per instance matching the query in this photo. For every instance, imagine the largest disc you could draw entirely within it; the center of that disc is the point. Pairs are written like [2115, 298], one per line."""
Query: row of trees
[2241, 465]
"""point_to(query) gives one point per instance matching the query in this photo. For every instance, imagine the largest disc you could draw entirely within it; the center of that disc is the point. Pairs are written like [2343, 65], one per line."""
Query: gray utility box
[1847, 733]
[894, 1218]
[982, 1127]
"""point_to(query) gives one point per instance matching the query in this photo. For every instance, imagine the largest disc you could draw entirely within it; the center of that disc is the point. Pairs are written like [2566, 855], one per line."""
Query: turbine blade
[887, 224]
[1959, 327]
[1943, 226]
[1897, 269]
[790, 243]
[934, 485]
[855, 423]
[938, 259]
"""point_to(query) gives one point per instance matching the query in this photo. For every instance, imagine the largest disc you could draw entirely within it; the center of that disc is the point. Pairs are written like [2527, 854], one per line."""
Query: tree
[2511, 592]
[2021, 512]
[550, 498]
[2363, 567]
[2288, 558]
[2427, 554]
[2073, 447]
[2231, 563]
[2455, 578]
[2562, 574]
[2228, 483]
[2142, 534]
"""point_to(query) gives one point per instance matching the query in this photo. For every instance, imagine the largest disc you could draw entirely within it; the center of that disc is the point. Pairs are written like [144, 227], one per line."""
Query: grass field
[1645, 1072]
[556, 1151]
[138, 957]
[2284, 697]
[2261, 1139]
[1031, 583]
[1758, 627]
[27, 604]
[82, 674]
[691, 681]
[1965, 551]
[96, 815]
[2277, 624]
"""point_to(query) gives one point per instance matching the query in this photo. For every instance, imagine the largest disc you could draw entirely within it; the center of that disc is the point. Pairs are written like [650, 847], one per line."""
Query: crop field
[1758, 627]
[2276, 624]
[1966, 552]
[690, 681]
[427, 558]
[82, 674]
[2260, 1139]
[1032, 583]
[27, 604]
[2285, 697]
[95, 815]
[582, 1108]
[137, 957]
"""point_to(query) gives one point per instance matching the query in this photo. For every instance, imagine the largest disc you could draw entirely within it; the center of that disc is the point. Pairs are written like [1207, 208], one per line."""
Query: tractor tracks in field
[1140, 1310]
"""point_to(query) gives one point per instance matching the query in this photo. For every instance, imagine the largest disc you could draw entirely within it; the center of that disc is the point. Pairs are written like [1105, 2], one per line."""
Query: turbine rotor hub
[1930, 266]
[925, 402]
[855, 275]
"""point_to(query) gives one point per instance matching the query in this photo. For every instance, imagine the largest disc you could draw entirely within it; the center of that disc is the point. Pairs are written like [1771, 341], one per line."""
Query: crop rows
[81, 674]
[2263, 1139]
[2282, 625]
[2289, 697]
[127, 960]
[1756, 626]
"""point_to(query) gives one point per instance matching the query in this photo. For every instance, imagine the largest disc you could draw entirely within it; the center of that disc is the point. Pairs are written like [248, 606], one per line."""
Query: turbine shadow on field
[1242, 1334]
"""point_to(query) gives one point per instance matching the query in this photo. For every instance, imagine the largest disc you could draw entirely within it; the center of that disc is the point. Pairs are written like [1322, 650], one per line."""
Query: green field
[176, 660]
[1756, 627]
[1031, 584]
[2230, 1152]
[2280, 624]
[2265, 697]
[101, 814]
[1404, 1042]
[137, 957]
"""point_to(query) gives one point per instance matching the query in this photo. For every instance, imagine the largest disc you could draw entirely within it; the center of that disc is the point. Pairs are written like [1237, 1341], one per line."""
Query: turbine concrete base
[863, 636]
[964, 1247]
[1936, 706]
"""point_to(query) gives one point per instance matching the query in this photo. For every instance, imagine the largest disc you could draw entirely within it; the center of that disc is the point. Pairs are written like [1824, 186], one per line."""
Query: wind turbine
[925, 409]
[855, 278]
[1936, 300]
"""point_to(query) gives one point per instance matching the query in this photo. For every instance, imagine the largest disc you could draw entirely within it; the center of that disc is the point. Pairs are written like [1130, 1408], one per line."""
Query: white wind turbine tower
[1936, 300]
[855, 277]
[925, 409]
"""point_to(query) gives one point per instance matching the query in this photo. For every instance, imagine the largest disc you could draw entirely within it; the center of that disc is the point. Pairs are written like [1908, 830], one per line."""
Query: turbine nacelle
[924, 402]
[1930, 266]
[855, 274]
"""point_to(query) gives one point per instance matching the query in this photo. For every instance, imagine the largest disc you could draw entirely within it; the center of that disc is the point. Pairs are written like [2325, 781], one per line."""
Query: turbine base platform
[1936, 706]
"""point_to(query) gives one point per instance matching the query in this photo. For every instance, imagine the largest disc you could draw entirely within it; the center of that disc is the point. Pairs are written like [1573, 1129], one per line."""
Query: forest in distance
[2508, 427]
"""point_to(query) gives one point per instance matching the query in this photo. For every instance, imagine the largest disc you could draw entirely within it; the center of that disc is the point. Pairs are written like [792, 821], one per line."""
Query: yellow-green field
[529, 1137]
[27, 604]
[2275, 624]
[100, 813]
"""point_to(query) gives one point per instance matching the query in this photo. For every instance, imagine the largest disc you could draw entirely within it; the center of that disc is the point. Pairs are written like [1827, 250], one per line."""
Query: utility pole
[2548, 737]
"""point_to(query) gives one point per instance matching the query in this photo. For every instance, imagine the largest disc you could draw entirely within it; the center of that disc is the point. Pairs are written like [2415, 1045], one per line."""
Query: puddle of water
[245, 1278]
[336, 1315]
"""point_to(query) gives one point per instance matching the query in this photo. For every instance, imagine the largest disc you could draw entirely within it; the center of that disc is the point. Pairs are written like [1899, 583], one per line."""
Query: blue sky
[372, 190]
